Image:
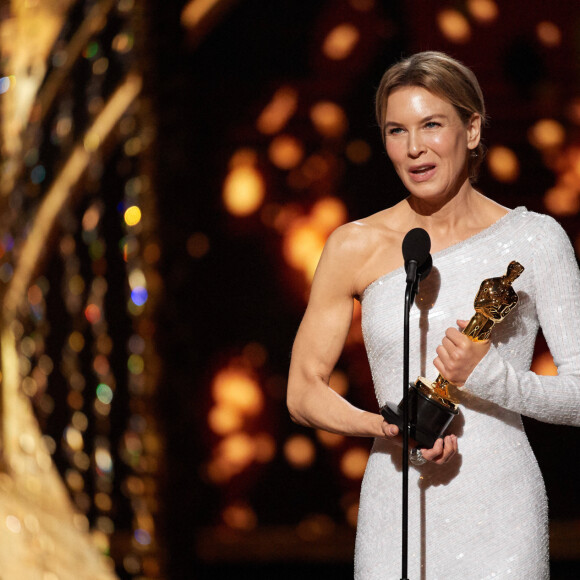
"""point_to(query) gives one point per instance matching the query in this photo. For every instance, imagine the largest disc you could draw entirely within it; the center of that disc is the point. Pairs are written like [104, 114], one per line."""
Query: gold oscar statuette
[431, 406]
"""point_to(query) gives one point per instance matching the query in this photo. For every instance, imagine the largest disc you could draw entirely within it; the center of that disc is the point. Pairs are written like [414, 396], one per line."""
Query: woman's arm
[557, 292]
[319, 343]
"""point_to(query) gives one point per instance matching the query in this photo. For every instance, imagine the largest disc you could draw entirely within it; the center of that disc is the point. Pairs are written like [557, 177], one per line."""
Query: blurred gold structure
[41, 534]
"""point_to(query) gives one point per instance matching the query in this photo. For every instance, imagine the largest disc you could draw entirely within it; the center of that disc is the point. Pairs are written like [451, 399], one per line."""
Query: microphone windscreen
[416, 246]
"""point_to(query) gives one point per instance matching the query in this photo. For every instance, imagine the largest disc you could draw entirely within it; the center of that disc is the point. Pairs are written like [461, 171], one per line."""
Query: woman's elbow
[294, 403]
[293, 408]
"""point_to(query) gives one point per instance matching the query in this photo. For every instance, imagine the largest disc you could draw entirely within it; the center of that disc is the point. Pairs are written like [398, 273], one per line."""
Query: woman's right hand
[389, 430]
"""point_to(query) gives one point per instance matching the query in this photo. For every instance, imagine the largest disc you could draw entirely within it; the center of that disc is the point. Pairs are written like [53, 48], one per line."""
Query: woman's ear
[474, 131]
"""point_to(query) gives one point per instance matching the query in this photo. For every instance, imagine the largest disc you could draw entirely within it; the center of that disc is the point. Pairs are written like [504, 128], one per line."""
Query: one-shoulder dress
[484, 514]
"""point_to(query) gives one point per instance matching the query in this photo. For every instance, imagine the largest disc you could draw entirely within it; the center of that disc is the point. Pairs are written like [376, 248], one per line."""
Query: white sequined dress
[484, 514]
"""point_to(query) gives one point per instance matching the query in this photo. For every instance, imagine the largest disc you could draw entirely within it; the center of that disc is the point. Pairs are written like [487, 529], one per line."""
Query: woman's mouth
[420, 173]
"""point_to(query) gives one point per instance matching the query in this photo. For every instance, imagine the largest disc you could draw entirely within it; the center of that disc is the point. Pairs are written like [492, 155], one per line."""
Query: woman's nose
[415, 145]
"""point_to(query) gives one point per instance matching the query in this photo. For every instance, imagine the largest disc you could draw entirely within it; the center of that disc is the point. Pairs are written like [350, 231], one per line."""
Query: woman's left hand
[458, 355]
[443, 450]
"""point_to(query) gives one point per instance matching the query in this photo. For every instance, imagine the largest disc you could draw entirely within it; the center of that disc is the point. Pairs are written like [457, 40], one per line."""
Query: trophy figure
[431, 406]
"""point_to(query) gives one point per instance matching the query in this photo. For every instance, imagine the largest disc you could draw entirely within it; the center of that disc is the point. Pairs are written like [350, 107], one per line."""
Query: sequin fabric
[484, 514]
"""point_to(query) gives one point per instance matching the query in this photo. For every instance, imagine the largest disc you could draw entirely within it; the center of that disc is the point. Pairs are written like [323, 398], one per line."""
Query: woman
[481, 513]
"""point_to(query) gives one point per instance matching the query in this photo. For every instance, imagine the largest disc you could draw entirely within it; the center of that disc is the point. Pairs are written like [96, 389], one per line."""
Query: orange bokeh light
[303, 246]
[562, 200]
[329, 119]
[278, 111]
[354, 462]
[454, 26]
[286, 151]
[549, 34]
[327, 214]
[238, 450]
[236, 389]
[341, 41]
[305, 236]
[240, 516]
[503, 164]
[329, 439]
[299, 451]
[224, 419]
[546, 133]
[243, 190]
[483, 11]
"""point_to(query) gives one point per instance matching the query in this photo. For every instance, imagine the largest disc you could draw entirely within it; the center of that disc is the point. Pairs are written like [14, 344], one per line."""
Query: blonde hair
[443, 76]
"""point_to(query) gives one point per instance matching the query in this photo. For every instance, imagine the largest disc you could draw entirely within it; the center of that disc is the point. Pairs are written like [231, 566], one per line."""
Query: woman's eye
[395, 131]
[432, 125]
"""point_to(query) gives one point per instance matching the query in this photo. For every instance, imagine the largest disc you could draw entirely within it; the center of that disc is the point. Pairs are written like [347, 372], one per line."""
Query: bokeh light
[244, 190]
[285, 151]
[236, 388]
[299, 451]
[327, 214]
[224, 419]
[329, 119]
[484, 11]
[303, 245]
[354, 462]
[278, 111]
[240, 516]
[329, 439]
[562, 200]
[453, 25]
[546, 133]
[93, 313]
[139, 295]
[104, 393]
[132, 215]
[548, 33]
[237, 450]
[503, 164]
[341, 41]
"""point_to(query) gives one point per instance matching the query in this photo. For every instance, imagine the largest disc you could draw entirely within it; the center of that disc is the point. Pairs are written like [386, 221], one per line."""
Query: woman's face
[428, 143]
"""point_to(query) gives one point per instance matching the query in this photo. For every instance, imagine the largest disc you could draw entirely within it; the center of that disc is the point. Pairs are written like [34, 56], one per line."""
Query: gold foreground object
[494, 301]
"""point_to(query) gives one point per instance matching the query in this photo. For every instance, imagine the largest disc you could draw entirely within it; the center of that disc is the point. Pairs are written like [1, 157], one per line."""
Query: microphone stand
[410, 291]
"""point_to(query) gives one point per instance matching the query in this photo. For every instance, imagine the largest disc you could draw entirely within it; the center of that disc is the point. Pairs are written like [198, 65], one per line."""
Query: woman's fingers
[442, 451]
[389, 429]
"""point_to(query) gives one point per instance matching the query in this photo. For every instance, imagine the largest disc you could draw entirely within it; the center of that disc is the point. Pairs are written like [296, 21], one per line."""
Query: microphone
[418, 261]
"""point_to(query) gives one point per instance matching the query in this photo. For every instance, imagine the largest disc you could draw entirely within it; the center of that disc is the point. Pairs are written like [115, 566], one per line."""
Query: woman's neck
[455, 219]
[452, 206]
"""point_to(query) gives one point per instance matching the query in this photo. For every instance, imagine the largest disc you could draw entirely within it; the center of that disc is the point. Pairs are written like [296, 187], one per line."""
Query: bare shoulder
[364, 249]
[353, 239]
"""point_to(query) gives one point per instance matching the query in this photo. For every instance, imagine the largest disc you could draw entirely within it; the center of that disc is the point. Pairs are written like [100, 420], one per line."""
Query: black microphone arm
[418, 263]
